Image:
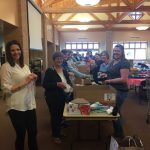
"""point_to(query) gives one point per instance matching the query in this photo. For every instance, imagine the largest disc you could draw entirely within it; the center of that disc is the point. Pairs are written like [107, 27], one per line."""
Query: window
[132, 45]
[140, 54]
[129, 53]
[68, 46]
[126, 45]
[134, 50]
[74, 46]
[79, 46]
[82, 48]
[85, 46]
[90, 46]
[96, 46]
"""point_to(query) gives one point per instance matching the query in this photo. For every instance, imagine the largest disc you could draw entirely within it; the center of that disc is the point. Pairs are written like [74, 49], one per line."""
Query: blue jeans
[118, 127]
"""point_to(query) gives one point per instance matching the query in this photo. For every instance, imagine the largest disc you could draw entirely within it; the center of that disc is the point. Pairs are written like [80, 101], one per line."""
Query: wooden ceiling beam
[127, 3]
[121, 17]
[109, 3]
[56, 17]
[118, 4]
[94, 16]
[148, 13]
[101, 22]
[108, 26]
[78, 23]
[101, 29]
[38, 2]
[50, 2]
[139, 4]
[47, 3]
[70, 17]
[110, 16]
[96, 9]
[134, 22]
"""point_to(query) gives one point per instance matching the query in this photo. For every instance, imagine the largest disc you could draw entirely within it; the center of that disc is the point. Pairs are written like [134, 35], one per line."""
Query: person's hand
[34, 76]
[71, 74]
[31, 77]
[86, 76]
[106, 82]
[61, 85]
[103, 75]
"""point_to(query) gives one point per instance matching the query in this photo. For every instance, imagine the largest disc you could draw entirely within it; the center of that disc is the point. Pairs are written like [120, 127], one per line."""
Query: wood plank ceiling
[67, 15]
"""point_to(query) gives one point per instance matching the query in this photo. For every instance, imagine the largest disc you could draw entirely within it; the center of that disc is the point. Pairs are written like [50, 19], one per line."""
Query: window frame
[134, 47]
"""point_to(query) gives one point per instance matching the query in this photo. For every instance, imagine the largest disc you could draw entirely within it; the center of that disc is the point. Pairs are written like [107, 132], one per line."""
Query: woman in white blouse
[17, 83]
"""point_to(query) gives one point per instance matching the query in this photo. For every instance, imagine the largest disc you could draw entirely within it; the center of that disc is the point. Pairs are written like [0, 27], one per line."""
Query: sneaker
[57, 140]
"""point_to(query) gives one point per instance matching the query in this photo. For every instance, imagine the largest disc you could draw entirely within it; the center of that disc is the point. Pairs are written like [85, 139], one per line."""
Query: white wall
[131, 36]
[101, 37]
[49, 31]
[105, 38]
[9, 11]
[52, 33]
[57, 42]
[82, 37]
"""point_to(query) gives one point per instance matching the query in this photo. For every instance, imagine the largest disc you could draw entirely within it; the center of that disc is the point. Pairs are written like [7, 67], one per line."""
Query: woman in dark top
[117, 74]
[57, 86]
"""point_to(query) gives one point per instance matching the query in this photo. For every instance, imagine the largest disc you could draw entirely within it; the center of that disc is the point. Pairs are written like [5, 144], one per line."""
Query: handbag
[128, 143]
[131, 143]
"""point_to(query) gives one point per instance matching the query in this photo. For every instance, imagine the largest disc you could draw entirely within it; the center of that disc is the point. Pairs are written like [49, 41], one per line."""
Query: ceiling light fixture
[82, 28]
[87, 2]
[142, 27]
[84, 19]
[68, 26]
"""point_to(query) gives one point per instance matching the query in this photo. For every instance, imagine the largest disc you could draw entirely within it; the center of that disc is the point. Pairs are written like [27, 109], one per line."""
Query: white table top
[91, 116]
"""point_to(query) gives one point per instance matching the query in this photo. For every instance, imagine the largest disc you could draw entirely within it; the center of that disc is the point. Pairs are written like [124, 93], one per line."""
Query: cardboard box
[104, 94]
[84, 69]
[73, 109]
[87, 82]
[82, 81]
[78, 80]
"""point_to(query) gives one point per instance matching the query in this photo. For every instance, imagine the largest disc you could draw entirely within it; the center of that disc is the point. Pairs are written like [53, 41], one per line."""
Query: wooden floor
[134, 115]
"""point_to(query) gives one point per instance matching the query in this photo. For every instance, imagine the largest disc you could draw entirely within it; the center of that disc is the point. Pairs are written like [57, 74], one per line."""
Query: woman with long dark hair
[17, 83]
[117, 74]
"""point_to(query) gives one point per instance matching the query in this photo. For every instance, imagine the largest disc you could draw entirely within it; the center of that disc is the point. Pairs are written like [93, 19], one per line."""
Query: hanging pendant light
[87, 2]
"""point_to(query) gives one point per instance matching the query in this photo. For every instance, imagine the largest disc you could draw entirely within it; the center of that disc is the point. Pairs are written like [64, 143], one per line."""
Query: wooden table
[92, 116]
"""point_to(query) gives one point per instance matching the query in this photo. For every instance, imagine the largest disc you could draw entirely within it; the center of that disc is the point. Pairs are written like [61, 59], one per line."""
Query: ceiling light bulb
[142, 28]
[68, 26]
[87, 2]
[84, 19]
[82, 28]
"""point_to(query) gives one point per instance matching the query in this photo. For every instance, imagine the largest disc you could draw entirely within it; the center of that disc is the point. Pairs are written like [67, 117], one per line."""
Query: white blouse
[23, 99]
[63, 79]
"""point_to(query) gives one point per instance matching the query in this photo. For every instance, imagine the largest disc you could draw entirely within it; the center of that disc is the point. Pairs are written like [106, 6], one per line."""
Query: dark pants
[118, 127]
[56, 107]
[24, 121]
